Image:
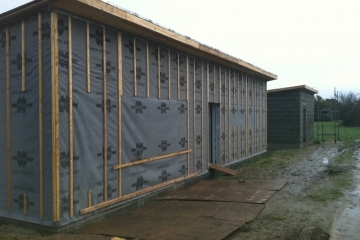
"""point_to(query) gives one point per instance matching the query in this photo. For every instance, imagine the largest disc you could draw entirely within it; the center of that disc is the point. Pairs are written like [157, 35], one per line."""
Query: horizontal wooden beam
[151, 159]
[116, 200]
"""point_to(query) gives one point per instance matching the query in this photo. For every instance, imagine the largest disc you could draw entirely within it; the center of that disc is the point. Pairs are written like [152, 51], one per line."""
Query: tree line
[346, 109]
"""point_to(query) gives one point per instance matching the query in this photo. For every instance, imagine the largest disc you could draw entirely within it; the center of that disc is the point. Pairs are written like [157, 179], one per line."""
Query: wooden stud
[247, 116]
[188, 115]
[266, 117]
[71, 128]
[229, 114]
[8, 121]
[135, 194]
[207, 81]
[151, 159]
[147, 71]
[194, 115]
[89, 198]
[55, 116]
[25, 204]
[202, 116]
[169, 73]
[23, 57]
[220, 110]
[134, 56]
[159, 74]
[87, 57]
[208, 117]
[41, 127]
[105, 117]
[178, 76]
[119, 112]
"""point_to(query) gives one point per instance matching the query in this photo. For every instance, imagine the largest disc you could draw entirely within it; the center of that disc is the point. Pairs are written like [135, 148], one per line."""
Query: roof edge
[300, 87]
[130, 22]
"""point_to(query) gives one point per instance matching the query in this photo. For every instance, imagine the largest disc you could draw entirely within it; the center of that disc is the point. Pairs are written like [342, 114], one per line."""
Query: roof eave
[107, 14]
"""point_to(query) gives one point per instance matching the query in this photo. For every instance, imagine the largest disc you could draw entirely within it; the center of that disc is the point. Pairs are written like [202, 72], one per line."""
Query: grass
[326, 194]
[346, 133]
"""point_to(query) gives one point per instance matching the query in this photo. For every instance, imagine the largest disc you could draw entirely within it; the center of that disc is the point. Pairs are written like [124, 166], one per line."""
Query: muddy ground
[320, 201]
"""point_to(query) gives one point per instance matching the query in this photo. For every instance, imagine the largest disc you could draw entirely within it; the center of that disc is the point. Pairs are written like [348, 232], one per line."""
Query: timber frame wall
[53, 81]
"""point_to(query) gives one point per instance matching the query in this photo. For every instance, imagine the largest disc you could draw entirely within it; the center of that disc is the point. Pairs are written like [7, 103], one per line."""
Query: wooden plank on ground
[220, 168]
[274, 185]
[163, 227]
[229, 194]
[232, 211]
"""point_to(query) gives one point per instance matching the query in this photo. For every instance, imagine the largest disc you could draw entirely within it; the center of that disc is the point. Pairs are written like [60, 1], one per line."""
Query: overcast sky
[311, 42]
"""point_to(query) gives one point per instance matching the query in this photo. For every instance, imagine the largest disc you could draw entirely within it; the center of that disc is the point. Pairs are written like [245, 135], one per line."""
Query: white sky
[311, 42]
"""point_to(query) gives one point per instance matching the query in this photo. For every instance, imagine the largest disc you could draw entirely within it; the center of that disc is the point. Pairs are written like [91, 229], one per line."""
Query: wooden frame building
[99, 107]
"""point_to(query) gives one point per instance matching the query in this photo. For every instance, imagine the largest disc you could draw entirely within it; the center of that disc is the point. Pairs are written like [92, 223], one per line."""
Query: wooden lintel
[220, 168]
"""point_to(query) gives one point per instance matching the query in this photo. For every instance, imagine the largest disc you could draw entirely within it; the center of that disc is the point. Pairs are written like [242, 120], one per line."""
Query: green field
[346, 133]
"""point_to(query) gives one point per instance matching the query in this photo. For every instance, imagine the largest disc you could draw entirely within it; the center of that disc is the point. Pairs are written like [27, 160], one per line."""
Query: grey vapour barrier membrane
[151, 126]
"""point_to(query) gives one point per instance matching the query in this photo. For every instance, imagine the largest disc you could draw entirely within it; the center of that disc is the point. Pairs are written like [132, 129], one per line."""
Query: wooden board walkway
[220, 208]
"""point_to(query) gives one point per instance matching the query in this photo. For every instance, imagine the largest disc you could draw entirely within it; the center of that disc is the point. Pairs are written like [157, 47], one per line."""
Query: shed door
[214, 123]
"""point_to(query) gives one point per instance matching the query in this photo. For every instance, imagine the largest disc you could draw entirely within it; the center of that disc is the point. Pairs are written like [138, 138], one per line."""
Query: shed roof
[107, 14]
[301, 87]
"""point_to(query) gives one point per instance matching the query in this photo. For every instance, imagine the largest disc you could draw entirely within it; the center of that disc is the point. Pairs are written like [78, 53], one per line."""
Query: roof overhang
[301, 87]
[107, 14]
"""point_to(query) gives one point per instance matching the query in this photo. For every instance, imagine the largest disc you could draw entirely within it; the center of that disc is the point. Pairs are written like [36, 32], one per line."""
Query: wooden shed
[99, 108]
[290, 117]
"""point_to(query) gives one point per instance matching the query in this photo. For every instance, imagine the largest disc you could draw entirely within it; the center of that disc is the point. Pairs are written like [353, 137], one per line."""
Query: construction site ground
[321, 199]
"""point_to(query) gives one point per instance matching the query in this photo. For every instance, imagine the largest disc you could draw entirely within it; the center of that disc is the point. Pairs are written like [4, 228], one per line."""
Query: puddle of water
[347, 224]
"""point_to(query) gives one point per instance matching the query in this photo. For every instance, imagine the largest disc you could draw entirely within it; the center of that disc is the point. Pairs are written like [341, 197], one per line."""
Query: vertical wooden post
[169, 73]
[247, 115]
[87, 57]
[25, 203]
[105, 116]
[134, 56]
[207, 82]
[41, 139]
[202, 115]
[188, 117]
[220, 110]
[55, 115]
[194, 115]
[71, 128]
[89, 198]
[266, 116]
[120, 112]
[208, 117]
[178, 76]
[8, 121]
[147, 71]
[23, 57]
[229, 114]
[159, 74]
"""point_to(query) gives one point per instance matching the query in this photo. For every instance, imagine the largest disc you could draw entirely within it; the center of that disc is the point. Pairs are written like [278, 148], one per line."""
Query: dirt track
[319, 199]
